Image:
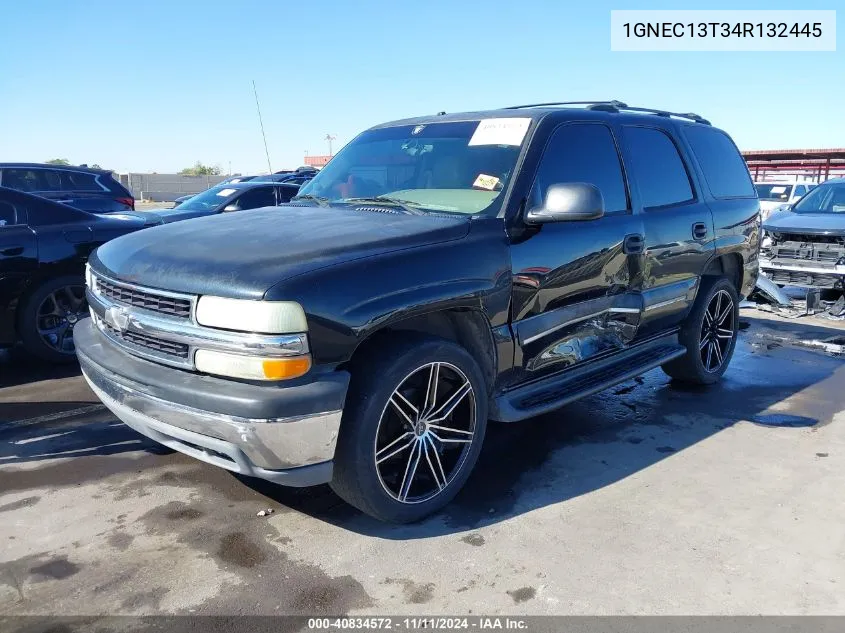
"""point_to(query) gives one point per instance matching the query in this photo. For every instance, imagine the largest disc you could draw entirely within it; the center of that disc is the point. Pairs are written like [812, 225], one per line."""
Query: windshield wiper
[405, 205]
[320, 200]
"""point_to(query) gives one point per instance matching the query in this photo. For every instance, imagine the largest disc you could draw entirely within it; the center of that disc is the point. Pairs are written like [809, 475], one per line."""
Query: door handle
[699, 231]
[12, 252]
[633, 244]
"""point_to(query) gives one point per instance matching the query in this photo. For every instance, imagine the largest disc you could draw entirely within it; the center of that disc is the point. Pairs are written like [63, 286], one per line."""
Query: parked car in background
[232, 180]
[804, 243]
[300, 176]
[776, 194]
[85, 188]
[43, 249]
[438, 272]
[238, 196]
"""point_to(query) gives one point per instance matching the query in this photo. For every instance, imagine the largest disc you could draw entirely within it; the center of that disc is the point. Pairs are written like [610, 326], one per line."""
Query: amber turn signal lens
[285, 368]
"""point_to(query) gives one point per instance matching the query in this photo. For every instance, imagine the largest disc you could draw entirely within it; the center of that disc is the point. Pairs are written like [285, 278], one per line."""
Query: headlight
[244, 315]
[88, 280]
[251, 367]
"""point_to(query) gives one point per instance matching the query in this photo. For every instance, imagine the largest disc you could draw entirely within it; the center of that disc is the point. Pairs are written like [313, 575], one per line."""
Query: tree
[200, 170]
[58, 161]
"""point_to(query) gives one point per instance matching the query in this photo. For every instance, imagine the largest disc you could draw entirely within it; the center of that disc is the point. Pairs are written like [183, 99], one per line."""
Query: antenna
[330, 138]
[261, 123]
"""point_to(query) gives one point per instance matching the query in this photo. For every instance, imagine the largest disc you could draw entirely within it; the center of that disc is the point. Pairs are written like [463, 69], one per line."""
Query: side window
[582, 152]
[80, 181]
[23, 179]
[657, 168]
[52, 180]
[800, 190]
[8, 214]
[724, 169]
[258, 197]
[286, 193]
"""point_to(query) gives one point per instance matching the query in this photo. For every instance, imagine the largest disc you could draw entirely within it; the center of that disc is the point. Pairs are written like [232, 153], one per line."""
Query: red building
[817, 164]
[317, 161]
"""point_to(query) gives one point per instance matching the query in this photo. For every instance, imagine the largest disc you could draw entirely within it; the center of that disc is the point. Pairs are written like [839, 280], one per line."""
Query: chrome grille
[179, 350]
[146, 299]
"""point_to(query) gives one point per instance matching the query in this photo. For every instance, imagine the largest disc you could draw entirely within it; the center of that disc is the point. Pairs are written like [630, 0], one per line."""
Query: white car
[776, 194]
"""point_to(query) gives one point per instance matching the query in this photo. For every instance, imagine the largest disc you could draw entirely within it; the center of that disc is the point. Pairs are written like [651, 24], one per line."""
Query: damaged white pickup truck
[804, 245]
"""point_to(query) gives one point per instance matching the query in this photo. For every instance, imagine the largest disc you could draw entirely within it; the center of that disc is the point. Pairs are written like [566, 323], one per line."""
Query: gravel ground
[645, 499]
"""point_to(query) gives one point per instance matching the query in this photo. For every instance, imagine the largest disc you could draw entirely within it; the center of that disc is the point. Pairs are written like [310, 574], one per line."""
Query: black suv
[85, 188]
[438, 272]
[43, 249]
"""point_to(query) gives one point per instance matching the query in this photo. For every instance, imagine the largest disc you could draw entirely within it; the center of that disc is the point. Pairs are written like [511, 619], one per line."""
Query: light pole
[330, 138]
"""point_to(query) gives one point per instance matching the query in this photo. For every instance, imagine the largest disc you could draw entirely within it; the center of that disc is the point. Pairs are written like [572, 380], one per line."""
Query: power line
[261, 123]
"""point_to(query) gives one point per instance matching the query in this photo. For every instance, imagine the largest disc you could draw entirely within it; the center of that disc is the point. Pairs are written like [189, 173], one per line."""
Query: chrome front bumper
[294, 451]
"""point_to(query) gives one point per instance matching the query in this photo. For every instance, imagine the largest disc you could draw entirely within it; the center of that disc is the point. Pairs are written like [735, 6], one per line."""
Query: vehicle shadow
[16, 369]
[43, 442]
[605, 438]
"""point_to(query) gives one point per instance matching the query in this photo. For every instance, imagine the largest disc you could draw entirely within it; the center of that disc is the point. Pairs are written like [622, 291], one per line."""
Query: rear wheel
[412, 430]
[709, 334]
[46, 318]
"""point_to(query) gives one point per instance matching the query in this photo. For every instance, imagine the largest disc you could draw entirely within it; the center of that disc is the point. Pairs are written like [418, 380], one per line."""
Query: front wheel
[412, 430]
[709, 334]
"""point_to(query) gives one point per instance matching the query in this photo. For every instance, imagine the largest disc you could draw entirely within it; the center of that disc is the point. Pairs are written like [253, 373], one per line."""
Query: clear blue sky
[158, 85]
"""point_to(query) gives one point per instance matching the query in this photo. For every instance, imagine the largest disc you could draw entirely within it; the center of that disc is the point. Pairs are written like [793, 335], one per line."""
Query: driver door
[574, 282]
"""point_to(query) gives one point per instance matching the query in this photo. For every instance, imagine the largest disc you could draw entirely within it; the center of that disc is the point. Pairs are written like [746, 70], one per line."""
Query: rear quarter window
[721, 163]
[81, 181]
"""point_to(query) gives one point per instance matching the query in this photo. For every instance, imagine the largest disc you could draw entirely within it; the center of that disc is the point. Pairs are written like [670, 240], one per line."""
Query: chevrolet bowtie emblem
[116, 317]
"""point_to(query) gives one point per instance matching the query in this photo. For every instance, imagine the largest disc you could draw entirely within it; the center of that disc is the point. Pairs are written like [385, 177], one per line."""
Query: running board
[554, 392]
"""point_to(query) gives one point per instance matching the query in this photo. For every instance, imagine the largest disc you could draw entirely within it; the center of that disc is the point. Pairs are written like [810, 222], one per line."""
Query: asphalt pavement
[648, 498]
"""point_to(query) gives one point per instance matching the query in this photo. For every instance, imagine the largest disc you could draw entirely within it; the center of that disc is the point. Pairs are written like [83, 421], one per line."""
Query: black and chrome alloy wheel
[717, 331]
[425, 432]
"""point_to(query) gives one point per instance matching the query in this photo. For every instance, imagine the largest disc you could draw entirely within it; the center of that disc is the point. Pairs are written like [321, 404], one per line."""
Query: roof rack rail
[615, 106]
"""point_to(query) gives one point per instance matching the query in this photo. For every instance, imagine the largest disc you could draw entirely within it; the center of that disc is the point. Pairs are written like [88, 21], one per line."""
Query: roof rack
[614, 106]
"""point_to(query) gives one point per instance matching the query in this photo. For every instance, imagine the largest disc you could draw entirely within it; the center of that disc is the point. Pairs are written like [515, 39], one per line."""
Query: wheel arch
[467, 327]
[729, 265]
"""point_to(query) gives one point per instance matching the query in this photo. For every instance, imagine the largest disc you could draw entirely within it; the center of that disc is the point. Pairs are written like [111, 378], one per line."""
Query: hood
[242, 255]
[809, 223]
[768, 205]
[175, 214]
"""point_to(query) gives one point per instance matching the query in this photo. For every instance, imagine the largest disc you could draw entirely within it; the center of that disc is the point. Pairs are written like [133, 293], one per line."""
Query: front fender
[348, 302]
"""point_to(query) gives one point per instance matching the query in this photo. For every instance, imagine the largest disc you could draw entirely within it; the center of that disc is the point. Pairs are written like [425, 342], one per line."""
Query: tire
[439, 459]
[48, 313]
[709, 348]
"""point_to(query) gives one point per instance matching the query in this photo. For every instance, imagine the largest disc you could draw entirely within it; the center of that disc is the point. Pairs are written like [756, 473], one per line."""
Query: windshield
[461, 167]
[210, 198]
[779, 192]
[826, 198]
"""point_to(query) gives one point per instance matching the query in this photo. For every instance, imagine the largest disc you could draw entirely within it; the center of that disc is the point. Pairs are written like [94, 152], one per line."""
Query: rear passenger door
[679, 234]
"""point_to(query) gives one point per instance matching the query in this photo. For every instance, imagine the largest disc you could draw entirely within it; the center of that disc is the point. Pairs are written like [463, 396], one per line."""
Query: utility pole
[330, 138]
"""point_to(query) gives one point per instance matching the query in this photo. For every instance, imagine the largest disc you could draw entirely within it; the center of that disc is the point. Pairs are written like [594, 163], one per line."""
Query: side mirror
[567, 202]
[231, 207]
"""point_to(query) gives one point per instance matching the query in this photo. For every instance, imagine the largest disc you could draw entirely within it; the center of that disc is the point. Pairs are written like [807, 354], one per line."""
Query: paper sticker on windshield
[226, 192]
[778, 189]
[500, 132]
[485, 182]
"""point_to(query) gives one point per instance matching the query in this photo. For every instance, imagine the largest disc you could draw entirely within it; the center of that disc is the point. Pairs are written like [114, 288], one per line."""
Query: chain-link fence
[166, 187]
